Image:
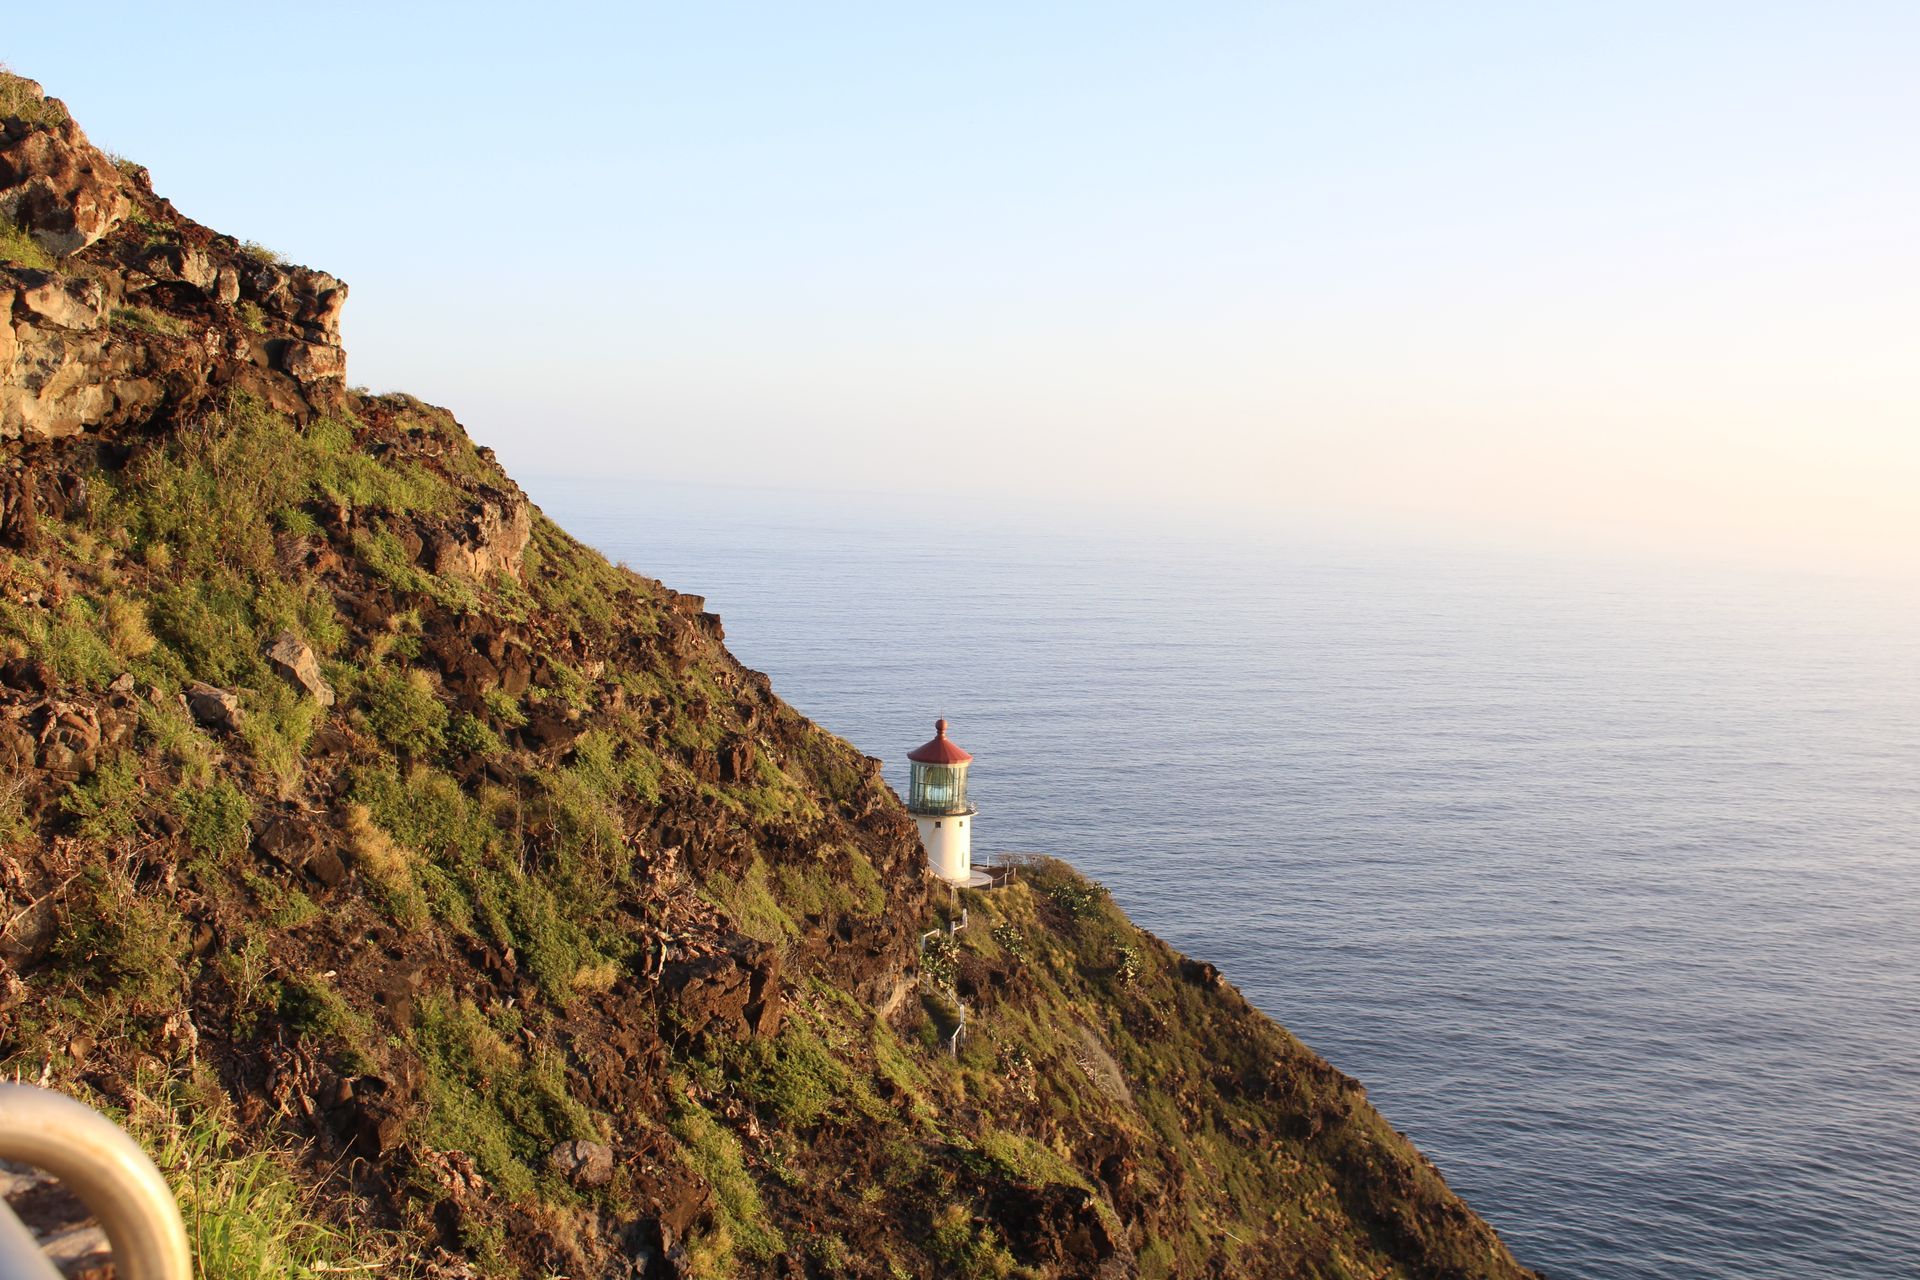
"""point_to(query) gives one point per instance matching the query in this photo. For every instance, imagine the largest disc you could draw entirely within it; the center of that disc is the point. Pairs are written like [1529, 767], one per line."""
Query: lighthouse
[937, 799]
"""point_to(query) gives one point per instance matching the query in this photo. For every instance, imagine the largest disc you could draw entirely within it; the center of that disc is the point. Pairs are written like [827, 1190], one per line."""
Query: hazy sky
[1647, 272]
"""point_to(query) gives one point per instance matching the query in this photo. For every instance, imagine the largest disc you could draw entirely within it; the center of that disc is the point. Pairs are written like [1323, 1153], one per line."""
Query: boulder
[584, 1164]
[309, 362]
[212, 707]
[29, 675]
[65, 302]
[69, 738]
[736, 760]
[491, 539]
[373, 1117]
[293, 660]
[19, 751]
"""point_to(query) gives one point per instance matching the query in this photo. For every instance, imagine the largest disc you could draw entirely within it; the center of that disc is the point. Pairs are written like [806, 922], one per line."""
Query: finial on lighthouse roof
[942, 750]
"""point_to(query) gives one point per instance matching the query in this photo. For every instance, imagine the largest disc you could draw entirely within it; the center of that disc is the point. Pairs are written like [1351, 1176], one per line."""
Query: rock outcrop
[133, 311]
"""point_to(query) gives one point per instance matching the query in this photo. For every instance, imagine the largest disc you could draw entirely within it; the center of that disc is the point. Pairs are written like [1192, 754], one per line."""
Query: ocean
[1602, 874]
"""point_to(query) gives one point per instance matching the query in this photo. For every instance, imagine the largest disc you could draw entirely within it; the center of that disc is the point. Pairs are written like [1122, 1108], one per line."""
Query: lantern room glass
[938, 788]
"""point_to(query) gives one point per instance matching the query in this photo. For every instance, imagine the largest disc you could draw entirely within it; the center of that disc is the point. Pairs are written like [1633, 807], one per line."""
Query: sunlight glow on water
[1605, 881]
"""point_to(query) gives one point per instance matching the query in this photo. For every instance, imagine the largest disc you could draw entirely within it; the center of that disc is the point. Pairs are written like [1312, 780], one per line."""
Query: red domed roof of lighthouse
[942, 750]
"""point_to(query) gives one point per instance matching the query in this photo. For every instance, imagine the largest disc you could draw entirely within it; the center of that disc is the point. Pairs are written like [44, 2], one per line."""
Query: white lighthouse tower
[937, 800]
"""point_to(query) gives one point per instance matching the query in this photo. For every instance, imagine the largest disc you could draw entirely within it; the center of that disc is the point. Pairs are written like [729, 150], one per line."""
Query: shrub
[470, 735]
[939, 958]
[506, 708]
[1077, 898]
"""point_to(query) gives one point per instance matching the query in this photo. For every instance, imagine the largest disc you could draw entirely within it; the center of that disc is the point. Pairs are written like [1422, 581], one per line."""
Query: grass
[312, 1005]
[69, 637]
[104, 806]
[750, 902]
[180, 573]
[16, 827]
[247, 1213]
[145, 320]
[968, 1247]
[404, 710]
[124, 947]
[21, 249]
[503, 1106]
[19, 102]
[214, 818]
[741, 1221]
[797, 1078]
[388, 866]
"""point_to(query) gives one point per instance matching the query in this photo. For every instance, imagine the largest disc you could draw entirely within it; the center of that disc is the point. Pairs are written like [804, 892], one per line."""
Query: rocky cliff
[436, 898]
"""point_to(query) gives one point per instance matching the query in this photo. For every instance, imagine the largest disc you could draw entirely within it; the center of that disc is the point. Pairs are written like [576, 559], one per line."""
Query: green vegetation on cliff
[431, 895]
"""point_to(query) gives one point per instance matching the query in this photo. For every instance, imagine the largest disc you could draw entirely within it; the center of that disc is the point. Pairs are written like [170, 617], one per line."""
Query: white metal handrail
[96, 1160]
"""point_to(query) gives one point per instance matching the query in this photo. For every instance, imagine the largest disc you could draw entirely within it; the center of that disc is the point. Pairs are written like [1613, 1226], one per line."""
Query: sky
[1629, 273]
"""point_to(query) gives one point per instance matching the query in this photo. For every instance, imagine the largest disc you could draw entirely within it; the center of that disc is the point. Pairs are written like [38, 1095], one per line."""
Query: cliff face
[432, 895]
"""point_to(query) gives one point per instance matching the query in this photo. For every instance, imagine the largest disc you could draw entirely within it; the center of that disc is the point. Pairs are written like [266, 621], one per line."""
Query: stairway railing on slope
[96, 1160]
[960, 1027]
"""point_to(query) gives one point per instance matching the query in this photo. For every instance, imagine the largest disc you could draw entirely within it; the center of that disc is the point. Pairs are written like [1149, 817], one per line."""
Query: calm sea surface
[1605, 879]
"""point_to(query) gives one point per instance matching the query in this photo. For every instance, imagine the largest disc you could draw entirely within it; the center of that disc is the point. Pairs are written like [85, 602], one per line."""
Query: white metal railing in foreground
[96, 1160]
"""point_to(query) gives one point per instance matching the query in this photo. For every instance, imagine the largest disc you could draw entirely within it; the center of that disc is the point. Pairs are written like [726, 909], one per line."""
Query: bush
[940, 957]
[469, 735]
